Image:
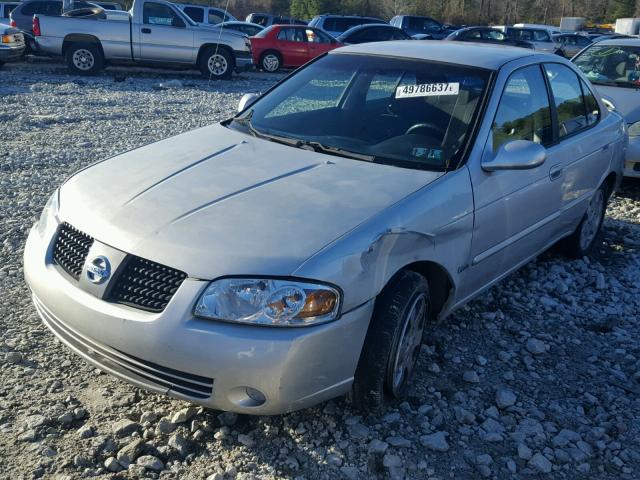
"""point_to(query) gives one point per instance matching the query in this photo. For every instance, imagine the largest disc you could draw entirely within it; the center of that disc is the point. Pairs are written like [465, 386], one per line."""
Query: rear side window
[591, 105]
[196, 13]
[567, 94]
[215, 16]
[523, 112]
[42, 8]
[8, 8]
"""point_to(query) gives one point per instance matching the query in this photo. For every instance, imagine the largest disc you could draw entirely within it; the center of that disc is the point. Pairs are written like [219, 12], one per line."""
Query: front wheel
[216, 63]
[392, 343]
[84, 58]
[582, 240]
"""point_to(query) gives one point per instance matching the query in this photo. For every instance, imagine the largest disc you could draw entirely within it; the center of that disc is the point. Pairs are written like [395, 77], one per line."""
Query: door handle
[146, 30]
[555, 173]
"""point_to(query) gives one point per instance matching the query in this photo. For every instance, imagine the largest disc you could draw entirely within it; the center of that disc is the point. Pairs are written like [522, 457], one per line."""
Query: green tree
[305, 9]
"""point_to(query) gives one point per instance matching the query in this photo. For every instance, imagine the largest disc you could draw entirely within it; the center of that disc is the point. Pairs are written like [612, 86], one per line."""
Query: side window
[319, 36]
[583, 42]
[285, 34]
[523, 112]
[196, 13]
[567, 94]
[215, 17]
[541, 36]
[400, 35]
[494, 35]
[473, 34]
[53, 9]
[590, 104]
[159, 14]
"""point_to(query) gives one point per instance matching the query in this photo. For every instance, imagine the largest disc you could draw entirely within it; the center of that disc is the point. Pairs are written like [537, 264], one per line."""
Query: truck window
[216, 16]
[196, 13]
[159, 14]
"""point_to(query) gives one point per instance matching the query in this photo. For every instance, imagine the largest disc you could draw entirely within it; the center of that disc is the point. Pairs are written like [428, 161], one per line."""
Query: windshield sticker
[427, 90]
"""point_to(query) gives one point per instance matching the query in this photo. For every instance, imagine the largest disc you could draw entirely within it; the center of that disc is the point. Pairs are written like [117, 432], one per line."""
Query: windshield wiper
[299, 143]
[339, 152]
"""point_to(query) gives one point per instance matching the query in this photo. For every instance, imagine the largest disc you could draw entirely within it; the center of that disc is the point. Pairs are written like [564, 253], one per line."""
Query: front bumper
[10, 53]
[243, 61]
[632, 160]
[205, 362]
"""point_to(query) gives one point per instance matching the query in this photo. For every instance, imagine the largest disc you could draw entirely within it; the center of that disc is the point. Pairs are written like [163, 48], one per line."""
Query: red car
[289, 46]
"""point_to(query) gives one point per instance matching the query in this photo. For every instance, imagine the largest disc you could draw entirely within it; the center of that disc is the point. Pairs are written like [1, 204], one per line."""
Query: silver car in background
[295, 252]
[613, 66]
[12, 44]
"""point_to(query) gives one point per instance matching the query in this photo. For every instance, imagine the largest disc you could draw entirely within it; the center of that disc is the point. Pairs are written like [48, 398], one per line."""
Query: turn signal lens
[319, 303]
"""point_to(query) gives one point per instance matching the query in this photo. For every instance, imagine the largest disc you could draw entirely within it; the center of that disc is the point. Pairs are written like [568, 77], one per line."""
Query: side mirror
[246, 100]
[517, 155]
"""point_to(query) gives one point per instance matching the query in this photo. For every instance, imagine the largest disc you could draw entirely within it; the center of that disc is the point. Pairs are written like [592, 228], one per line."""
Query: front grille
[71, 249]
[131, 368]
[145, 284]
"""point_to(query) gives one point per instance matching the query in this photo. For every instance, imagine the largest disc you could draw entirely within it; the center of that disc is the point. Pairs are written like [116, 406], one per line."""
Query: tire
[582, 240]
[216, 63]
[271, 61]
[84, 58]
[397, 326]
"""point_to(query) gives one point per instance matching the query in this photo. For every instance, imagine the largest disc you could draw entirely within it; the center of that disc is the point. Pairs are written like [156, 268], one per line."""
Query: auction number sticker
[427, 90]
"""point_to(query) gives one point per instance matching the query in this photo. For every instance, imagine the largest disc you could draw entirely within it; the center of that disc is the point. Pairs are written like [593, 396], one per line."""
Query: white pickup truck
[153, 33]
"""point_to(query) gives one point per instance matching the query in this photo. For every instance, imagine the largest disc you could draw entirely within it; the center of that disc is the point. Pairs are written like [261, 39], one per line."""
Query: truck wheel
[84, 58]
[582, 240]
[216, 63]
[270, 61]
[392, 344]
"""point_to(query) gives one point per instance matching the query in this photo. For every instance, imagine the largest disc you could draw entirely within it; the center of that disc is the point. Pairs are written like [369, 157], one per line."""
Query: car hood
[215, 202]
[626, 101]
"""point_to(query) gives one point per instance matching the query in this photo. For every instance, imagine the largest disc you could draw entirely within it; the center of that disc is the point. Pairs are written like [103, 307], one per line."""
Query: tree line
[457, 12]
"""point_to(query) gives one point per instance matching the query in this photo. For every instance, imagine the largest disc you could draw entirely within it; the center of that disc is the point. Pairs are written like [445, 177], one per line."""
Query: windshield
[611, 65]
[409, 113]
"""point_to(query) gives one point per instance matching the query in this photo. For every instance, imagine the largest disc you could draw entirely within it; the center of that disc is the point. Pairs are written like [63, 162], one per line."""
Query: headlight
[268, 301]
[634, 129]
[48, 215]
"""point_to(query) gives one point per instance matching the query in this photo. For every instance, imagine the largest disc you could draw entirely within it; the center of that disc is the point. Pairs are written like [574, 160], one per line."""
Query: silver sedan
[295, 252]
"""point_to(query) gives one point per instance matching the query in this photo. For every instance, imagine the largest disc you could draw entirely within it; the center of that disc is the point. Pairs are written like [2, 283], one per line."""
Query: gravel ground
[538, 378]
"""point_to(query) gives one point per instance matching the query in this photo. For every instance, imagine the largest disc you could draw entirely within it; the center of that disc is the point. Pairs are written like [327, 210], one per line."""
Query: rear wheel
[270, 61]
[216, 63]
[582, 240]
[84, 58]
[392, 344]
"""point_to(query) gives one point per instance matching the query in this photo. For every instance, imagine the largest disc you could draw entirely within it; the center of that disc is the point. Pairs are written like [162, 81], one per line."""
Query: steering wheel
[439, 132]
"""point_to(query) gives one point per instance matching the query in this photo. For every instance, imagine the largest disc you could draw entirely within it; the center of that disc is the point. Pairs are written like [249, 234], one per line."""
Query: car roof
[481, 55]
[621, 42]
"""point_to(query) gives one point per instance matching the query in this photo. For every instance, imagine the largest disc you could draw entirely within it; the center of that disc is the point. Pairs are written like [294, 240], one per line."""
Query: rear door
[292, 43]
[164, 35]
[583, 152]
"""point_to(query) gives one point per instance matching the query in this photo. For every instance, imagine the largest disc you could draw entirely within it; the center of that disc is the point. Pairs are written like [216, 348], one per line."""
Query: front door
[319, 42]
[164, 35]
[516, 211]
